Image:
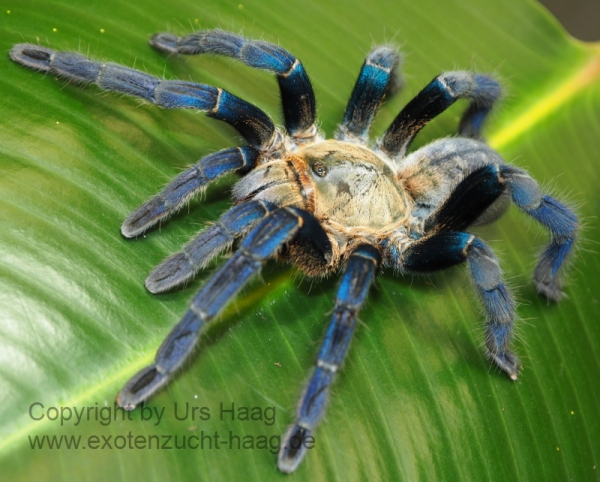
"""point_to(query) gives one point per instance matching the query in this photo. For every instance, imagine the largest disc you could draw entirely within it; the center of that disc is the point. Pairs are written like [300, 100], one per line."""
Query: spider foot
[173, 271]
[547, 286]
[297, 440]
[508, 362]
[145, 216]
[166, 42]
[140, 387]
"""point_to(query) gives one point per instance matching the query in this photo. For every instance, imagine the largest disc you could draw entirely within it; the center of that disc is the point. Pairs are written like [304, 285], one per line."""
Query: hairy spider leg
[260, 244]
[436, 97]
[297, 96]
[445, 245]
[483, 186]
[352, 292]
[554, 216]
[486, 93]
[251, 122]
[468, 201]
[443, 250]
[378, 77]
[187, 184]
[196, 254]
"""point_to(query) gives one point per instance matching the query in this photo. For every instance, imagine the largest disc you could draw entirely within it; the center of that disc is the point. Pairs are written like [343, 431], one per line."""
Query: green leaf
[416, 399]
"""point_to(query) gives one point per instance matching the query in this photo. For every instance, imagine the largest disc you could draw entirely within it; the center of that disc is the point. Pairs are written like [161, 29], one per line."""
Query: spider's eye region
[319, 169]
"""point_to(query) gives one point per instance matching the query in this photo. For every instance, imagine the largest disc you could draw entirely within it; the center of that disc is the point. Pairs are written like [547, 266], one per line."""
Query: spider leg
[251, 122]
[260, 244]
[435, 98]
[183, 266]
[477, 191]
[297, 96]
[185, 185]
[448, 248]
[358, 277]
[554, 216]
[468, 201]
[378, 77]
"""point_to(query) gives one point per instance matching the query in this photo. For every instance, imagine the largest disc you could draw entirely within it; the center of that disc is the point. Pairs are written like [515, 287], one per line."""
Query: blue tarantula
[327, 205]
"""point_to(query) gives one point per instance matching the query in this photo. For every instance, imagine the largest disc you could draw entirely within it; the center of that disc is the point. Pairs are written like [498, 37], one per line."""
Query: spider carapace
[329, 205]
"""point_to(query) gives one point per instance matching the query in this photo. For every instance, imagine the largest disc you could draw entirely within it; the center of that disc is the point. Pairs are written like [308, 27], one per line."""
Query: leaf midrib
[552, 100]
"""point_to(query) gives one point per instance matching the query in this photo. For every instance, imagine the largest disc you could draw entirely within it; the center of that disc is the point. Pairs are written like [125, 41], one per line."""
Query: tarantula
[326, 205]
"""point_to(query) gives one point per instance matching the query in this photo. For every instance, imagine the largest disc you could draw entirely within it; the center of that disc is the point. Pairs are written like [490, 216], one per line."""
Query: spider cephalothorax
[329, 204]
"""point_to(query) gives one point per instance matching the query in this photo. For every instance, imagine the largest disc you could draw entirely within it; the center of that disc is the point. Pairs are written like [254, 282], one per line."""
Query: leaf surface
[416, 399]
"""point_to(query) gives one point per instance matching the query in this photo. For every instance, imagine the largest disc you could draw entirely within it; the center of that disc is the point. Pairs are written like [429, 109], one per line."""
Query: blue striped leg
[358, 277]
[297, 97]
[195, 255]
[260, 244]
[435, 98]
[448, 248]
[189, 183]
[554, 216]
[251, 122]
[378, 77]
